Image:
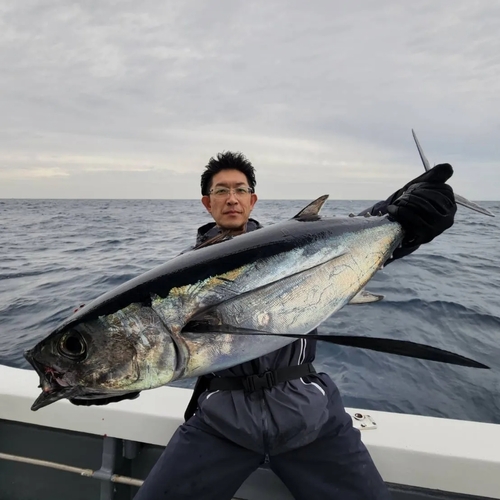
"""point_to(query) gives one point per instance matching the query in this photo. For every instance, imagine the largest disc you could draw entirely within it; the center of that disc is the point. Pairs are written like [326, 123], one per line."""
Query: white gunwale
[427, 452]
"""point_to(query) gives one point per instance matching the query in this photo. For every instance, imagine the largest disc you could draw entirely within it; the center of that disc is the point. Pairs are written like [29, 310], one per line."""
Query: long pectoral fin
[391, 346]
[403, 348]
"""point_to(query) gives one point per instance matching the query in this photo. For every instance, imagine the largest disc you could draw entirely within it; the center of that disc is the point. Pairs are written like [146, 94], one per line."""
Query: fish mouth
[52, 383]
[55, 388]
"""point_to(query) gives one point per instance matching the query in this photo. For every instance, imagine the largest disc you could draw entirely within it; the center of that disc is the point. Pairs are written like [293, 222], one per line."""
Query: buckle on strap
[264, 380]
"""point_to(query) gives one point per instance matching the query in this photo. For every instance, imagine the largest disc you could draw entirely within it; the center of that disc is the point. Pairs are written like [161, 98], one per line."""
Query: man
[298, 426]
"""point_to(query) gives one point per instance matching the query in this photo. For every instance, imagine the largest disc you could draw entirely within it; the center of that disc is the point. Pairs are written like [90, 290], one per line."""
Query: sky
[125, 99]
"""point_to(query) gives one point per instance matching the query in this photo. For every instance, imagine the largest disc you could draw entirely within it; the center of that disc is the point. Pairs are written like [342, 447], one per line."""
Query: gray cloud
[128, 99]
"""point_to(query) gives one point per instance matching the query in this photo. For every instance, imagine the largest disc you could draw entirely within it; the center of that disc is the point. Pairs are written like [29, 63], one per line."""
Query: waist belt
[264, 380]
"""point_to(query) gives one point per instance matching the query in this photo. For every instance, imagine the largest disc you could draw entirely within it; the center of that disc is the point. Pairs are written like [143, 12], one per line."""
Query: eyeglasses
[225, 192]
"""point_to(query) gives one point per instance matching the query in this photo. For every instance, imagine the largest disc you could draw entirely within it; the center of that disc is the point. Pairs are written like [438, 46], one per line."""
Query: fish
[137, 336]
[201, 311]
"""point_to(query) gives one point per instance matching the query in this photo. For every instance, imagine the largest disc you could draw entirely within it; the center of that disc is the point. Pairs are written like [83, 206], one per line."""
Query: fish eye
[72, 346]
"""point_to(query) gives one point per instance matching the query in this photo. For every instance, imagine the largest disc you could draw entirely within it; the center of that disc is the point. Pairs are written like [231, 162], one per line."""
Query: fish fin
[425, 161]
[403, 348]
[365, 297]
[312, 210]
[104, 401]
[391, 346]
[473, 206]
[460, 200]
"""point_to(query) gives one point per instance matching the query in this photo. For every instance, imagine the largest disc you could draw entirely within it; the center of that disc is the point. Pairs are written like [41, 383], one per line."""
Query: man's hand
[425, 207]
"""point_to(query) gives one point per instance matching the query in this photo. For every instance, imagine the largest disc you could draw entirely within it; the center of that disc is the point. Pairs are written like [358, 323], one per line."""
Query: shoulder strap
[200, 387]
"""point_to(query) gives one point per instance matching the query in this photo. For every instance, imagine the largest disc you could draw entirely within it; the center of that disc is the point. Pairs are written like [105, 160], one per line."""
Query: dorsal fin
[312, 210]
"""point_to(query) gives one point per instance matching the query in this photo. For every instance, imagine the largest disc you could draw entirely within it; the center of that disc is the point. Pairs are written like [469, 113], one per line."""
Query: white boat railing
[439, 454]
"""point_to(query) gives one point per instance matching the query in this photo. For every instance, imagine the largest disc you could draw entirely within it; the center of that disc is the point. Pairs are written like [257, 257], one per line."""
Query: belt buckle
[264, 380]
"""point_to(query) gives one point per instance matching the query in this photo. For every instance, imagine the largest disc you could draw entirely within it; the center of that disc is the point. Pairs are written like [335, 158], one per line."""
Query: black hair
[227, 161]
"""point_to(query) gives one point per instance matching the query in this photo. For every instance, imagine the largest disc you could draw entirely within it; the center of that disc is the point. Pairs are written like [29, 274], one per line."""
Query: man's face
[230, 211]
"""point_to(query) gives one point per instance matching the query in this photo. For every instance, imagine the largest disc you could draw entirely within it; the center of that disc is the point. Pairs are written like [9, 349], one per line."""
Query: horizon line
[198, 199]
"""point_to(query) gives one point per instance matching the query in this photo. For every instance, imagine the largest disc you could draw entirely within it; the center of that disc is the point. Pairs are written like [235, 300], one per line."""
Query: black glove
[103, 401]
[425, 207]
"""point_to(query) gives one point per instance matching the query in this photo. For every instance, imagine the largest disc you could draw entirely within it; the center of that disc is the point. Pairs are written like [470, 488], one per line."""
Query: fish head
[101, 358]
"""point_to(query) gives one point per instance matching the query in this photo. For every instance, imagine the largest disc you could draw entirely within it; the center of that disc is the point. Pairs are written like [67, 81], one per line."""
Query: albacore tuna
[186, 317]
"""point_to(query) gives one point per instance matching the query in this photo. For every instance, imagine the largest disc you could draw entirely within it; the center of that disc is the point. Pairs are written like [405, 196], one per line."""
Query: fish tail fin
[460, 200]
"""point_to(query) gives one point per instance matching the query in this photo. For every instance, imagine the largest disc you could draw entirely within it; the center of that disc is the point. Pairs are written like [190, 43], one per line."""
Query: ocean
[58, 254]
